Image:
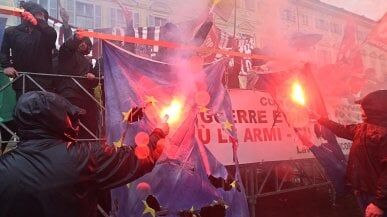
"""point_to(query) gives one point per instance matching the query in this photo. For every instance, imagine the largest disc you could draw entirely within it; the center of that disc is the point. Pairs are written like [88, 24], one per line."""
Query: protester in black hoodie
[72, 60]
[28, 48]
[49, 174]
[367, 163]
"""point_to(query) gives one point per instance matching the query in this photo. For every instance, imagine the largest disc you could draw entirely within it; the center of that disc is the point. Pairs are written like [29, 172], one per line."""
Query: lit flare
[215, 2]
[298, 94]
[172, 111]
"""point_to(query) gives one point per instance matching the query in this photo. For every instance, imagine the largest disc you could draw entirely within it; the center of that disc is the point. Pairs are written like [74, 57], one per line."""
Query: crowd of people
[50, 173]
[30, 47]
[47, 174]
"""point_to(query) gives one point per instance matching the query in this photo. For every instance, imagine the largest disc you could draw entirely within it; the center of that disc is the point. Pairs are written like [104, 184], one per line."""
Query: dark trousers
[346, 206]
[104, 200]
[231, 80]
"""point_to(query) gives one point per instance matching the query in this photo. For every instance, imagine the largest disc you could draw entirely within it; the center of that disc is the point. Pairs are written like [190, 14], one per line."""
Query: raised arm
[48, 33]
[343, 131]
[119, 166]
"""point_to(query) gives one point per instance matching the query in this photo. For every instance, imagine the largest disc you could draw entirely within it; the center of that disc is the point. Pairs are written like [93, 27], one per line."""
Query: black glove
[153, 203]
[217, 210]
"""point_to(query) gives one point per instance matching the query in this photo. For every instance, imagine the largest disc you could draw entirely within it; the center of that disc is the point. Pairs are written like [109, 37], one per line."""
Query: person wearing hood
[72, 60]
[367, 163]
[28, 48]
[49, 174]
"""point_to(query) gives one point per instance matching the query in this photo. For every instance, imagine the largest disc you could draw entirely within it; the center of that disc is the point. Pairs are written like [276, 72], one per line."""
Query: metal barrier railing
[263, 179]
[28, 75]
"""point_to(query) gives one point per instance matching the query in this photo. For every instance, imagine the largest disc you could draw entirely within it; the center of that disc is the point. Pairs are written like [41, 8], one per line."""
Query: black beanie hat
[34, 8]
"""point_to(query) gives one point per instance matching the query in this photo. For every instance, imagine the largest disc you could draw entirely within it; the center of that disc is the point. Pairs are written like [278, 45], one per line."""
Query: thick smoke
[373, 9]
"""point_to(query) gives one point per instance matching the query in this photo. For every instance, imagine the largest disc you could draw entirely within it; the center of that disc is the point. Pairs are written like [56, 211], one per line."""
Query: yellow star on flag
[150, 100]
[227, 125]
[128, 185]
[118, 144]
[203, 109]
[233, 184]
[126, 115]
[192, 209]
[149, 210]
[225, 206]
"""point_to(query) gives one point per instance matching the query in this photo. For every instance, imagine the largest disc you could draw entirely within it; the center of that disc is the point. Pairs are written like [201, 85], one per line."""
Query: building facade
[313, 16]
[253, 17]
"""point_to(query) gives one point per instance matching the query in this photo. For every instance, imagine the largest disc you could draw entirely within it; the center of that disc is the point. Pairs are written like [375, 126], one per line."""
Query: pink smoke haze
[352, 78]
[373, 9]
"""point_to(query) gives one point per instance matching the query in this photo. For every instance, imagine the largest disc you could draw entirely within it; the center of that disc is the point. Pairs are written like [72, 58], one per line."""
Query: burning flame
[298, 94]
[173, 111]
[215, 2]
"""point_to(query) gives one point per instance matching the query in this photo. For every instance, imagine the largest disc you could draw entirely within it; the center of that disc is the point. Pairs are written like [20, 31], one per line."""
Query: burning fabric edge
[190, 177]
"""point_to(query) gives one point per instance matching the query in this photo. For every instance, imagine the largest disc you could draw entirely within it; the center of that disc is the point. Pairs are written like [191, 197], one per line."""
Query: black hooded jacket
[72, 62]
[367, 163]
[47, 175]
[31, 51]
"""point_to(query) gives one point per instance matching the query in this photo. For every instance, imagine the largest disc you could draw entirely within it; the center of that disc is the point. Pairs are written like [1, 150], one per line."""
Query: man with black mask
[73, 61]
[49, 174]
[28, 48]
[367, 163]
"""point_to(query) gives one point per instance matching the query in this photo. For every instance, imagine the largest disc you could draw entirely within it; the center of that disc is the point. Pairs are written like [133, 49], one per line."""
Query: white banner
[260, 139]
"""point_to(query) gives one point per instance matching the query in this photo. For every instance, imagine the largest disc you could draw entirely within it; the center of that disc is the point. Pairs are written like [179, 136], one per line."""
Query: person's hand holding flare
[164, 126]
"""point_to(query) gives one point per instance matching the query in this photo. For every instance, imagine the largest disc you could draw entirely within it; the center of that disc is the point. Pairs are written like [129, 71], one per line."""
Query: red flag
[378, 36]
[349, 62]
[348, 48]
[127, 13]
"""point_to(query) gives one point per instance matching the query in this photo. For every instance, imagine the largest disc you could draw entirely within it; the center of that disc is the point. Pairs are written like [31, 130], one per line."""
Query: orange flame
[215, 2]
[298, 94]
[172, 111]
